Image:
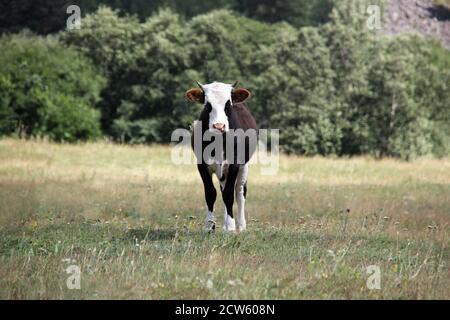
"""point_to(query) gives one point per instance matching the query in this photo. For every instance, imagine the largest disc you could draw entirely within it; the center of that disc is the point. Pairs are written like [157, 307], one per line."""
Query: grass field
[132, 221]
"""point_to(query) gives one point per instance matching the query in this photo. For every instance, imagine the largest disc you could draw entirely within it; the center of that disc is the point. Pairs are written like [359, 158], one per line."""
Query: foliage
[49, 16]
[300, 100]
[296, 12]
[144, 65]
[47, 90]
[435, 85]
[44, 16]
[373, 94]
[151, 64]
[339, 88]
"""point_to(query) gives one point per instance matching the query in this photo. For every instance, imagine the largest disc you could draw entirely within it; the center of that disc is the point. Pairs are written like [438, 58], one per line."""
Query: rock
[422, 16]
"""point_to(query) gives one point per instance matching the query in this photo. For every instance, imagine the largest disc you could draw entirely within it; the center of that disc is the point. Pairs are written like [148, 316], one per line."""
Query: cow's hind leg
[228, 198]
[241, 192]
[210, 196]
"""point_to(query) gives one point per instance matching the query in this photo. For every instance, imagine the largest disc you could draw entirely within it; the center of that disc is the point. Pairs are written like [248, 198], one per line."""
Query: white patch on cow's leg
[210, 222]
[228, 223]
[240, 198]
[240, 218]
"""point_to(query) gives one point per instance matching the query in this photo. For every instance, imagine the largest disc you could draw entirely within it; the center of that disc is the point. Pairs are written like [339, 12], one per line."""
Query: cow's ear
[195, 95]
[240, 95]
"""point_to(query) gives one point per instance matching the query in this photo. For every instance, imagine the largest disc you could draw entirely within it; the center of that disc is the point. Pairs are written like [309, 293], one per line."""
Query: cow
[224, 113]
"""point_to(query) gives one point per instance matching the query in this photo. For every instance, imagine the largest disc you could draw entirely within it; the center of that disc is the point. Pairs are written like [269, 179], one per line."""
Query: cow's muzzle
[219, 126]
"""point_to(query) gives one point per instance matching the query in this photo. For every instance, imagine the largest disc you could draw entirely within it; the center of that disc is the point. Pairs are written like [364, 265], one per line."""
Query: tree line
[49, 16]
[332, 88]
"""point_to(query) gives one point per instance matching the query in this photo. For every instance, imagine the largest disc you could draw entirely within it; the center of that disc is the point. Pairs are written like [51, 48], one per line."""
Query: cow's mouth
[217, 131]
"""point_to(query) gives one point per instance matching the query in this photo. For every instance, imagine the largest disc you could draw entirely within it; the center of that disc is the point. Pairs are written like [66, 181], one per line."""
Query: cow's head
[218, 99]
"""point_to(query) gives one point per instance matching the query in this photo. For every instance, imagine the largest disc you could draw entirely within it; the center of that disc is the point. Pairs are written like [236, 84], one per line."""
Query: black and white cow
[225, 113]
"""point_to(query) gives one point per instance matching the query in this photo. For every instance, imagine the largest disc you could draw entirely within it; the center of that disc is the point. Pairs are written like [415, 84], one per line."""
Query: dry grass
[132, 221]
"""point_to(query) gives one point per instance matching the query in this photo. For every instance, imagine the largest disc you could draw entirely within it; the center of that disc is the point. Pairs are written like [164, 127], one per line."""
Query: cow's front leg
[228, 198]
[210, 196]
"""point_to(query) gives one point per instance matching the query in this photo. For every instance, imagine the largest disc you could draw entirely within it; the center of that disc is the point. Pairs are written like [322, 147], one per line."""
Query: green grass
[132, 221]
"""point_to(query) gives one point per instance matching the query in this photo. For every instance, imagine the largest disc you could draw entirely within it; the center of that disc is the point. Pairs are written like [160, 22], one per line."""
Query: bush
[350, 91]
[47, 89]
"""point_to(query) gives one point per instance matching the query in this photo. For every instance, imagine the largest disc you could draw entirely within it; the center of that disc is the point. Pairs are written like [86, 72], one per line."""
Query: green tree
[384, 86]
[47, 90]
[434, 90]
[144, 64]
[301, 97]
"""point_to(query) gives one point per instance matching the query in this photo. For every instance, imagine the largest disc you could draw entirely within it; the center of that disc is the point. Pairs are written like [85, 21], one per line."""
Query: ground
[131, 220]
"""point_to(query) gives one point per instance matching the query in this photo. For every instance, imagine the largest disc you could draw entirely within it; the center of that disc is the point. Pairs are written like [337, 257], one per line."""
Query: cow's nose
[219, 126]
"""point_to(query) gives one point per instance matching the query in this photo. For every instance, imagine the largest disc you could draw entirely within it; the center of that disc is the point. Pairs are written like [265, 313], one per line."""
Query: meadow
[132, 221]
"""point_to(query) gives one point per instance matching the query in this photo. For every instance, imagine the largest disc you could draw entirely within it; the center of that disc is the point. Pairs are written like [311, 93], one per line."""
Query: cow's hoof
[229, 224]
[210, 226]
[241, 228]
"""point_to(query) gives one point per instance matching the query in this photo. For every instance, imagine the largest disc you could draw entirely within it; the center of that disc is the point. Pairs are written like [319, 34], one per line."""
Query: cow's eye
[208, 107]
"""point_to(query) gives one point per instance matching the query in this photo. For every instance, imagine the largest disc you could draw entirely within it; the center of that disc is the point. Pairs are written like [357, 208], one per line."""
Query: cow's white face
[217, 100]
